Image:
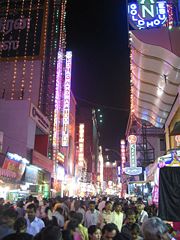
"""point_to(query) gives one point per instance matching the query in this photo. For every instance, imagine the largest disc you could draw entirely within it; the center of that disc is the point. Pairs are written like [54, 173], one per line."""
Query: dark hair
[117, 204]
[59, 209]
[135, 227]
[130, 212]
[108, 202]
[20, 224]
[31, 206]
[79, 217]
[72, 214]
[49, 233]
[92, 202]
[109, 227]
[72, 225]
[92, 229]
[10, 213]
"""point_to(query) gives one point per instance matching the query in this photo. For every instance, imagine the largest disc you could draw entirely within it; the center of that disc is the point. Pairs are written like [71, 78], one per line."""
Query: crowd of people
[88, 219]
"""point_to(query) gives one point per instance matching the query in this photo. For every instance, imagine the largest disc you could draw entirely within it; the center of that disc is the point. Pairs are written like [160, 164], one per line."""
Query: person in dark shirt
[20, 227]
[131, 219]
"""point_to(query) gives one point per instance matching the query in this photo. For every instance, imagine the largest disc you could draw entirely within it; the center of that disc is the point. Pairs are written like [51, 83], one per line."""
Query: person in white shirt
[58, 214]
[106, 215]
[92, 215]
[117, 215]
[142, 214]
[34, 224]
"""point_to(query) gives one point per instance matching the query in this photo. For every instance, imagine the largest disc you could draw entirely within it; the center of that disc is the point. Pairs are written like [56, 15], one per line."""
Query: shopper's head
[92, 205]
[117, 207]
[154, 228]
[20, 225]
[31, 211]
[79, 217]
[108, 206]
[9, 217]
[94, 232]
[135, 231]
[49, 233]
[109, 231]
[140, 206]
[131, 217]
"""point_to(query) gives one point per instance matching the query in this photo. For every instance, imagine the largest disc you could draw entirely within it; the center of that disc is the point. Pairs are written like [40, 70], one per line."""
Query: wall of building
[10, 72]
[19, 131]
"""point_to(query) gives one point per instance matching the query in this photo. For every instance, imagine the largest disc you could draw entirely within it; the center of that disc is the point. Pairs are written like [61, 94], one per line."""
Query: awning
[155, 74]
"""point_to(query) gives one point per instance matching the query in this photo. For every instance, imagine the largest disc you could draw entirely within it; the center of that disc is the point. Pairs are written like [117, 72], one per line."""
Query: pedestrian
[59, 216]
[142, 214]
[49, 233]
[106, 215]
[94, 232]
[34, 224]
[8, 218]
[20, 228]
[154, 228]
[130, 220]
[92, 215]
[117, 215]
[83, 230]
[135, 232]
[109, 231]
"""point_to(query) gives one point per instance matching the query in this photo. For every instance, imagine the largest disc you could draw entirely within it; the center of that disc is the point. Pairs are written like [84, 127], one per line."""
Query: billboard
[144, 14]
[20, 28]
[66, 100]
[81, 145]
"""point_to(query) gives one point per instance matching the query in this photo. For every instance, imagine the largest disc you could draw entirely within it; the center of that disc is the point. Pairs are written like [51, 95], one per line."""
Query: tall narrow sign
[133, 169]
[66, 102]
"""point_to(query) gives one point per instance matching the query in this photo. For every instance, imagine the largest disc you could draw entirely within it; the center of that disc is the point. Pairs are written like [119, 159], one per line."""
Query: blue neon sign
[147, 14]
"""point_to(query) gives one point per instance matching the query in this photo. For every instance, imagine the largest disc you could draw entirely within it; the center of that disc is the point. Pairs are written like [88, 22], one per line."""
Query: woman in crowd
[94, 232]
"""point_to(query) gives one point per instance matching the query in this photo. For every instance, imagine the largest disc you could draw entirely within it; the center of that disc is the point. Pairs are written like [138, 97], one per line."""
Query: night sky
[97, 34]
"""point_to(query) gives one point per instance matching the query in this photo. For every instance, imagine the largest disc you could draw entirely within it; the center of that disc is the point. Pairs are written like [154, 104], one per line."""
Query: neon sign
[147, 14]
[56, 127]
[81, 145]
[66, 103]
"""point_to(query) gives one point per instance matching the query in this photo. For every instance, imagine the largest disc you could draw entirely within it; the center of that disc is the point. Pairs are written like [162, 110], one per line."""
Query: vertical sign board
[133, 169]
[66, 100]
[81, 146]
[147, 13]
[57, 109]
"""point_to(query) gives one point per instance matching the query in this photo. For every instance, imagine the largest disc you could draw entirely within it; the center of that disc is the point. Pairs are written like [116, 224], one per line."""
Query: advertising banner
[42, 162]
[20, 29]
[14, 166]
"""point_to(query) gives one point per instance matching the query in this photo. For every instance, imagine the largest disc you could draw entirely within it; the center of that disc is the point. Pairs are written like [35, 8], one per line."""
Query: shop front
[11, 173]
[44, 170]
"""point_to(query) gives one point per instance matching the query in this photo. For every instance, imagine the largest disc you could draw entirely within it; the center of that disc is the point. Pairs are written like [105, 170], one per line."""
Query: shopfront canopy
[155, 73]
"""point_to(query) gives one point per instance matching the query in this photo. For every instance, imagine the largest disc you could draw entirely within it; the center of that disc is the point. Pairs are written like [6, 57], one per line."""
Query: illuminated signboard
[147, 14]
[81, 145]
[56, 127]
[66, 102]
[133, 169]
[123, 155]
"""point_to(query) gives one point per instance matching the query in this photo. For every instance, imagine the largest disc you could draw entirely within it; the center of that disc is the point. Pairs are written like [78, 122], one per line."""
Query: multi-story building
[33, 69]
[87, 117]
